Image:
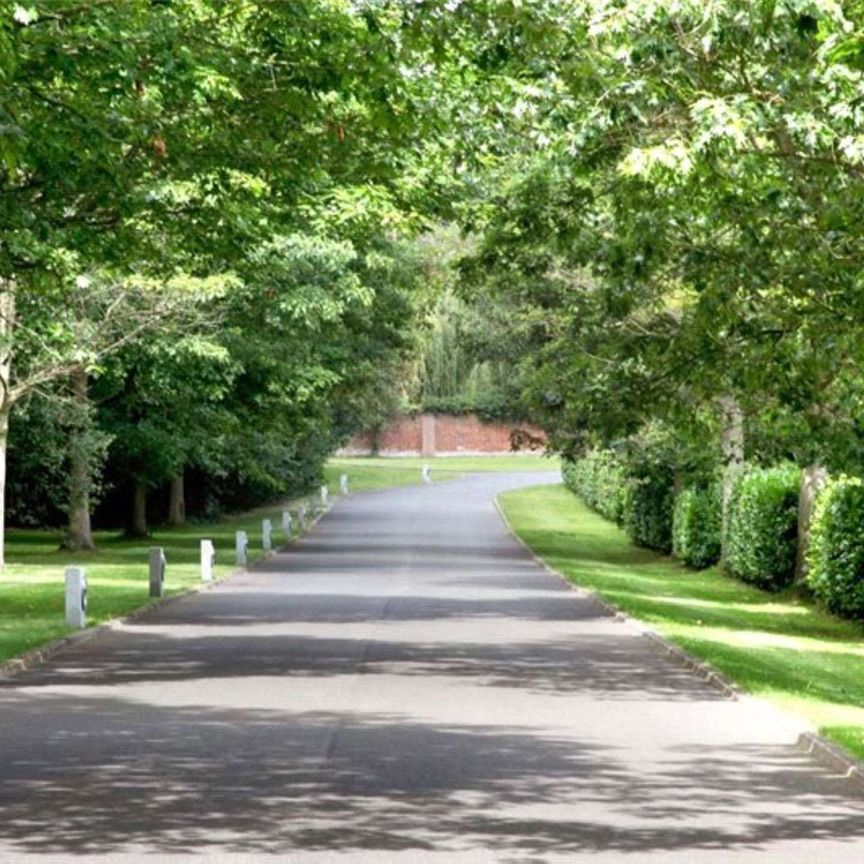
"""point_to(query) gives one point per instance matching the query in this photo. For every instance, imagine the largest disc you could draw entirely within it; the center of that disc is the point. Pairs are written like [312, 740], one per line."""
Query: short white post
[157, 571]
[343, 484]
[76, 597]
[241, 544]
[325, 496]
[286, 524]
[301, 516]
[208, 560]
[266, 535]
[425, 473]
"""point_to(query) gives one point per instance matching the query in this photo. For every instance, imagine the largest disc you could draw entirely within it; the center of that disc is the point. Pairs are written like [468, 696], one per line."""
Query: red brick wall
[401, 436]
[451, 434]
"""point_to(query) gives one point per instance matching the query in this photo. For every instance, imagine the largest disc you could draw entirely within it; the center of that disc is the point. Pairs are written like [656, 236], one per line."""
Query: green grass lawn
[32, 585]
[775, 645]
[381, 472]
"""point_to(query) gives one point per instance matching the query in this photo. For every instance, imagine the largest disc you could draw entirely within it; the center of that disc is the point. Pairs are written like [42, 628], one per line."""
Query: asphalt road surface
[404, 685]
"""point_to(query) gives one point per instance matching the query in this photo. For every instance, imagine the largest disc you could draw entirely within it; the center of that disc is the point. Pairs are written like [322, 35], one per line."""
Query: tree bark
[732, 447]
[138, 521]
[177, 501]
[813, 480]
[79, 534]
[7, 329]
[4, 434]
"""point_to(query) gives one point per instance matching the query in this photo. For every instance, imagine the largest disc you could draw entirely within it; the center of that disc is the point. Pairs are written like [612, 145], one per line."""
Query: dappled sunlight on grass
[777, 645]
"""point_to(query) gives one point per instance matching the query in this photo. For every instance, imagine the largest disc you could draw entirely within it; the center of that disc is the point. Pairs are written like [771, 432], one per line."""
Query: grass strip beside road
[779, 646]
[383, 472]
[32, 584]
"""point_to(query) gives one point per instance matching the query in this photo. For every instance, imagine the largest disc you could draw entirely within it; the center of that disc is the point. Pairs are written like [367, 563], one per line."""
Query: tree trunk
[138, 521]
[732, 447]
[7, 329]
[177, 502]
[79, 534]
[813, 480]
[4, 434]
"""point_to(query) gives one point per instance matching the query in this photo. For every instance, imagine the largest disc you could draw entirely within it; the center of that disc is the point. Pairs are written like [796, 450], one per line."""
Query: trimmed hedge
[835, 555]
[761, 538]
[599, 480]
[648, 505]
[696, 526]
[642, 504]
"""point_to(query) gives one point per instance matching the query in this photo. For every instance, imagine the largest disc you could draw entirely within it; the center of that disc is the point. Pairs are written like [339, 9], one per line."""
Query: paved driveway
[404, 685]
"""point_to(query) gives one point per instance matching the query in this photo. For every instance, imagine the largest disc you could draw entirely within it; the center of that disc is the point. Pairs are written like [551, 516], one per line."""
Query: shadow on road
[183, 780]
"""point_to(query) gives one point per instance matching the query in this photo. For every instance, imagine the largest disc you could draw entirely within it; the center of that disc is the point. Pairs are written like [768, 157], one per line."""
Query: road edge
[41, 654]
[825, 752]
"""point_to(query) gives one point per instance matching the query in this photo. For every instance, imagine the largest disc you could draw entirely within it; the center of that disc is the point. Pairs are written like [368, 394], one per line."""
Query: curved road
[403, 685]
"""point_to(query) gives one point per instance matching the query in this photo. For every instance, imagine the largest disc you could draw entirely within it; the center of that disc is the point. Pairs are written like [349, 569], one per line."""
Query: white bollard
[343, 484]
[208, 560]
[425, 473]
[325, 497]
[241, 545]
[157, 571]
[76, 597]
[286, 524]
[301, 516]
[266, 535]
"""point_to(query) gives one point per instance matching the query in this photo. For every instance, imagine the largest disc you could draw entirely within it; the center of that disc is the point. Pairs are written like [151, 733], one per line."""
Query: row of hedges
[762, 531]
[835, 556]
[642, 503]
[696, 525]
[599, 480]
[761, 539]
[647, 515]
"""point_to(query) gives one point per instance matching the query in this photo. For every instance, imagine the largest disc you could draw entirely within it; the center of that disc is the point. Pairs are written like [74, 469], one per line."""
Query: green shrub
[835, 556]
[647, 506]
[570, 475]
[696, 526]
[599, 480]
[761, 537]
[609, 483]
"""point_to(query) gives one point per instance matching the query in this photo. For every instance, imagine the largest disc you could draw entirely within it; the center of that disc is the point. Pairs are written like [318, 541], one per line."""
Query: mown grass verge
[32, 584]
[780, 646]
[382, 472]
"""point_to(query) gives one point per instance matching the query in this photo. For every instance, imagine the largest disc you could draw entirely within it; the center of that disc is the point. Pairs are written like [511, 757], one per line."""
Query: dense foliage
[761, 536]
[648, 507]
[688, 228]
[696, 526]
[210, 264]
[598, 478]
[461, 368]
[635, 493]
[835, 556]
